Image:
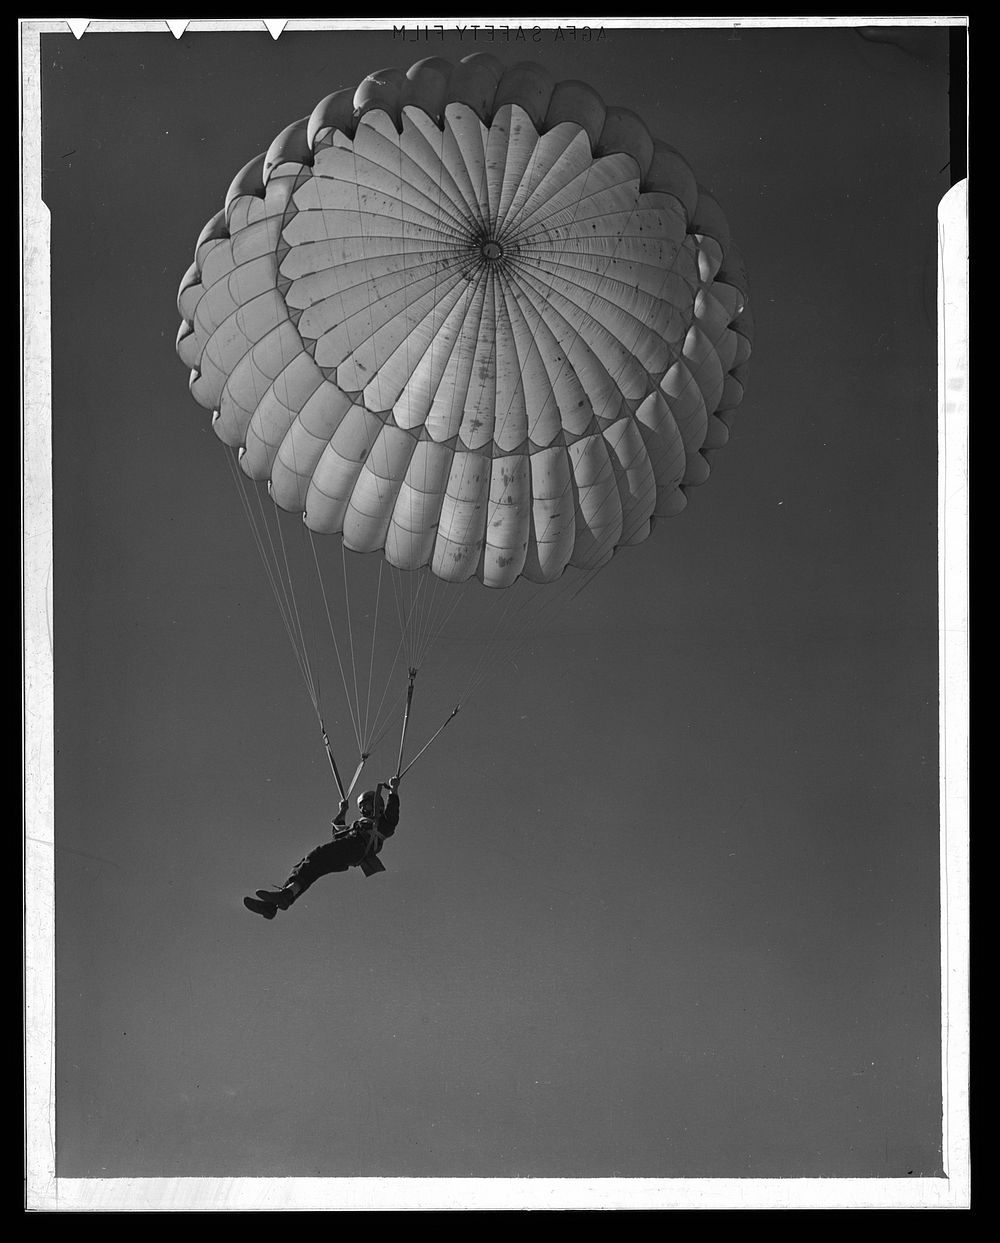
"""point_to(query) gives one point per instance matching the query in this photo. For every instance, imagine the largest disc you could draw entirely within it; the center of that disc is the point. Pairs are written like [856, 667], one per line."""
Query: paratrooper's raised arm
[390, 817]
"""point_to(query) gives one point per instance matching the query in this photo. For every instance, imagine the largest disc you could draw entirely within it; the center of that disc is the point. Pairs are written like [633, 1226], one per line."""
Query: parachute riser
[406, 721]
[357, 772]
[454, 713]
[333, 765]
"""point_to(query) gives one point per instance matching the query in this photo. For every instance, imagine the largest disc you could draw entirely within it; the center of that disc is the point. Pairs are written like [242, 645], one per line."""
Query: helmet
[368, 805]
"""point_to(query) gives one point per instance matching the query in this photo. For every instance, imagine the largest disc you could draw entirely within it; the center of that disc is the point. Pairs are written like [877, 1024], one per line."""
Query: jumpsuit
[357, 846]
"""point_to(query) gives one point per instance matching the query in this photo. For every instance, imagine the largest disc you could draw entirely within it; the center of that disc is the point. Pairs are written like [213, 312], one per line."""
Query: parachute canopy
[470, 317]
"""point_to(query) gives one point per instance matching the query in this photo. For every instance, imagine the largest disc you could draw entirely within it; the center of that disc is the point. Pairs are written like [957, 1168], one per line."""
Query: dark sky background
[665, 904]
